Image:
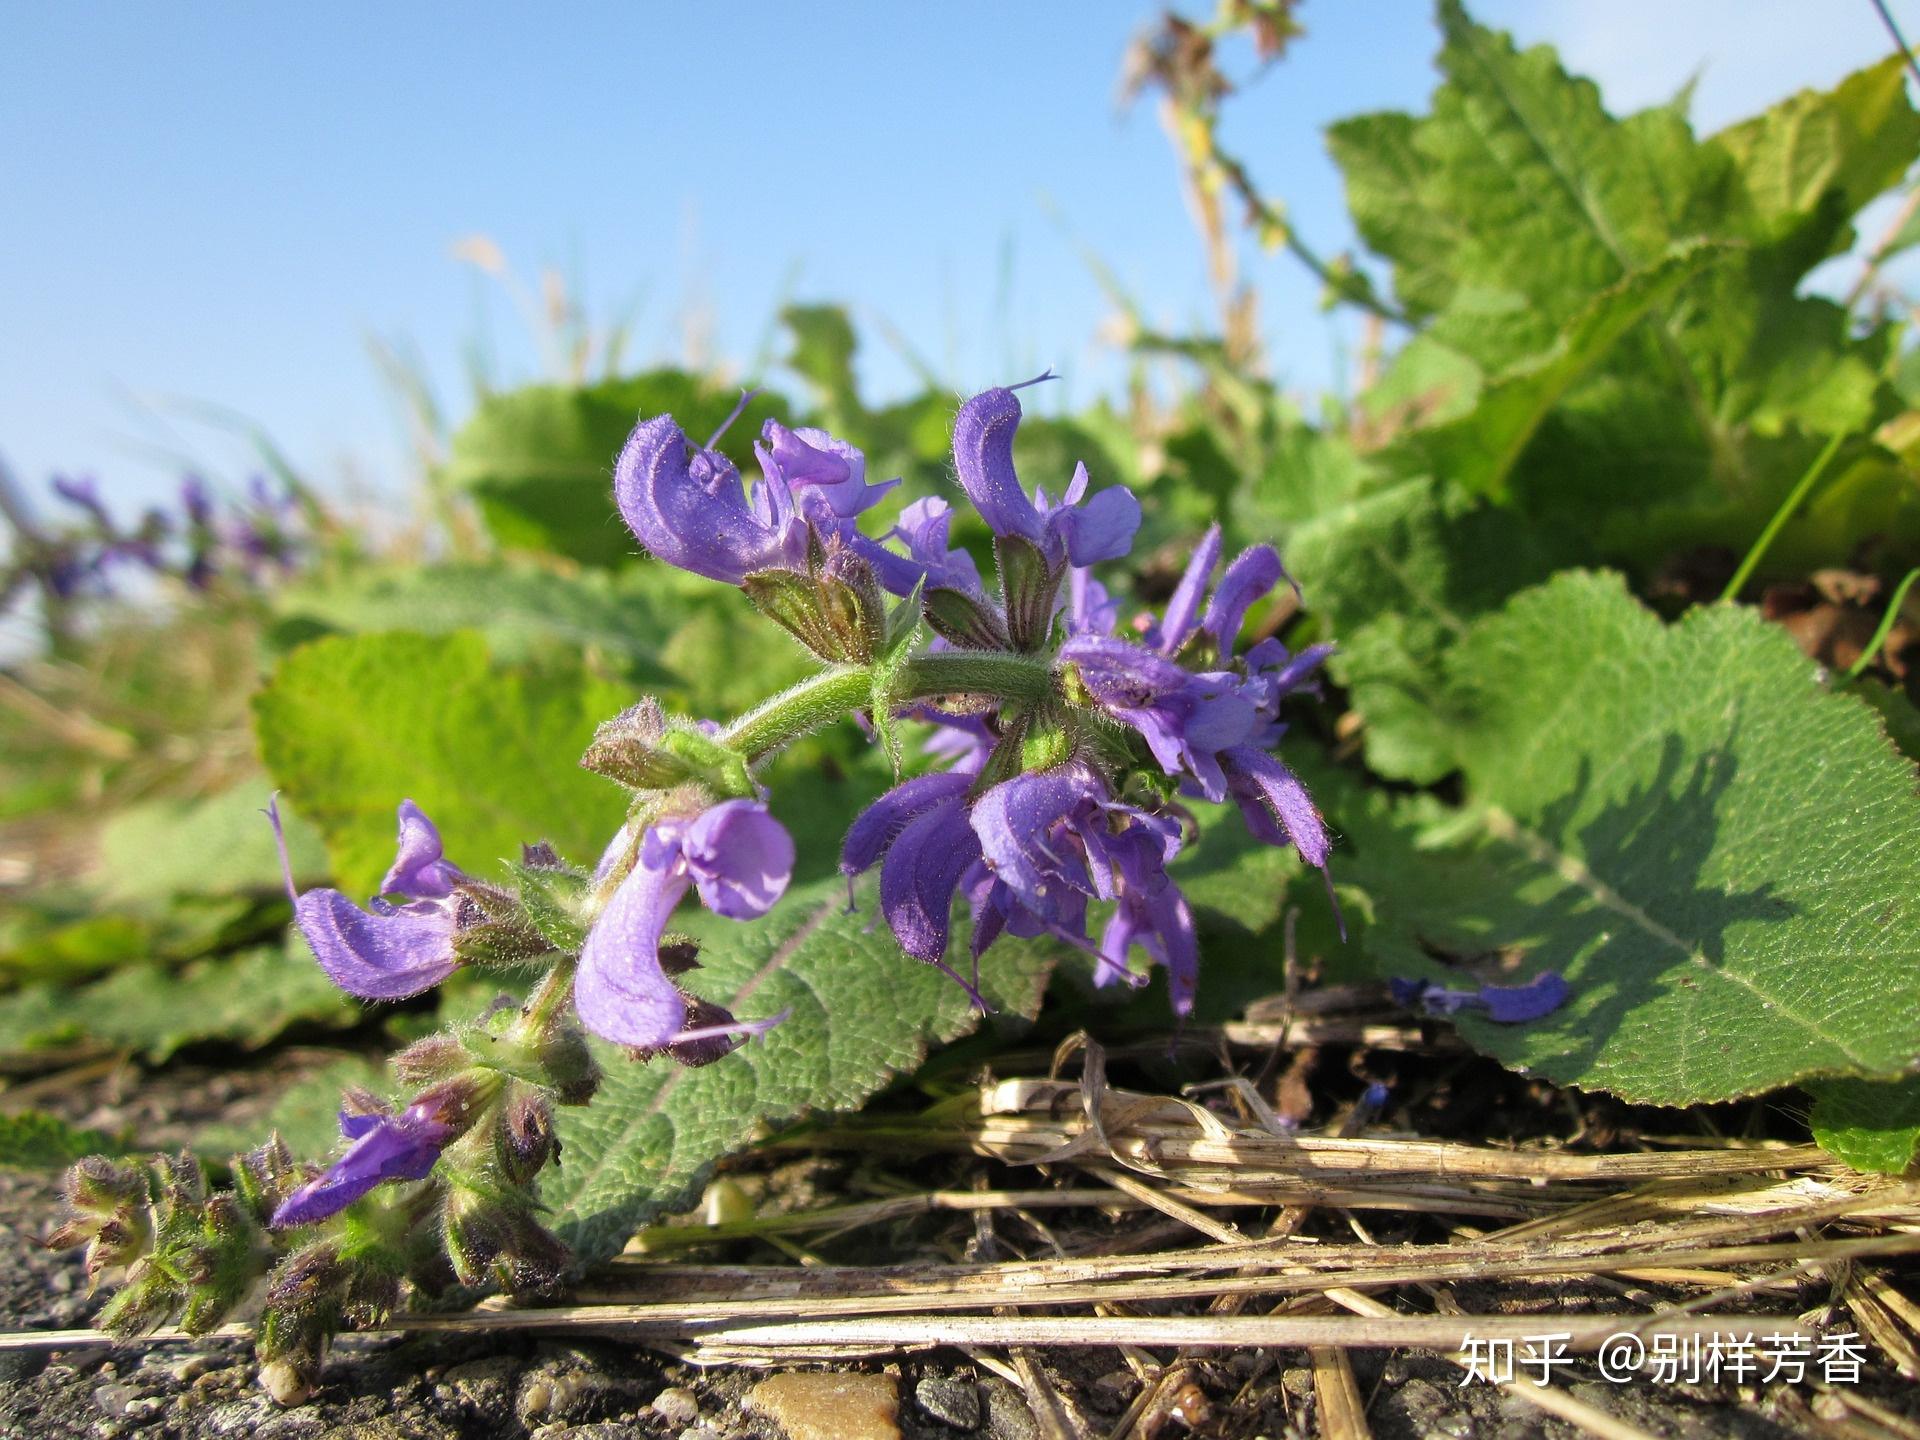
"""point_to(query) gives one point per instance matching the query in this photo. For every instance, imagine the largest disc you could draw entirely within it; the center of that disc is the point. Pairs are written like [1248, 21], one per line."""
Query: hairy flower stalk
[1076, 749]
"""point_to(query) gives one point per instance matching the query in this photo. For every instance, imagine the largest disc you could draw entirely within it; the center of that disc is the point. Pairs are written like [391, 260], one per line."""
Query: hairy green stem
[1779, 520]
[837, 692]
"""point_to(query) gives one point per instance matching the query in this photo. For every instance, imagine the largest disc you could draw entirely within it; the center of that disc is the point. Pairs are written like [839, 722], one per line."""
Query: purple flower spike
[689, 508]
[1503, 1004]
[1100, 529]
[740, 857]
[387, 953]
[419, 872]
[385, 1147]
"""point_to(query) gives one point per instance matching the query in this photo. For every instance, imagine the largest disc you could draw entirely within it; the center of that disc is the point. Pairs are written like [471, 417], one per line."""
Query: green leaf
[350, 726]
[1813, 160]
[525, 612]
[823, 347]
[34, 1140]
[1478, 450]
[1872, 1125]
[1398, 577]
[219, 845]
[1722, 858]
[539, 461]
[862, 1013]
[246, 999]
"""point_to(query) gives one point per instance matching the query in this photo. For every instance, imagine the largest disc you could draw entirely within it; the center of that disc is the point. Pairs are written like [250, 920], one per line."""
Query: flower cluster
[1074, 750]
[253, 538]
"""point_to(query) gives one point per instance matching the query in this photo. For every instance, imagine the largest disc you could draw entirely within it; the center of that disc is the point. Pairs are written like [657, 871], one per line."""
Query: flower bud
[265, 1176]
[496, 1237]
[628, 749]
[568, 1066]
[524, 1140]
[107, 1212]
[432, 1057]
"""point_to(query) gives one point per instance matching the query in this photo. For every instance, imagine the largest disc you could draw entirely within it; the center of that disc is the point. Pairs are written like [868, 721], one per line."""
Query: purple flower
[827, 478]
[385, 1147]
[689, 507]
[83, 492]
[740, 859]
[1100, 529]
[930, 559]
[386, 952]
[1090, 609]
[1503, 1004]
[1052, 841]
[920, 828]
[1186, 718]
[1183, 610]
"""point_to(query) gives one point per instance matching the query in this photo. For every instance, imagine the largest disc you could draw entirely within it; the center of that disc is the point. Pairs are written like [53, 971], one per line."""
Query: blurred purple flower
[740, 859]
[386, 952]
[1503, 1004]
[1102, 528]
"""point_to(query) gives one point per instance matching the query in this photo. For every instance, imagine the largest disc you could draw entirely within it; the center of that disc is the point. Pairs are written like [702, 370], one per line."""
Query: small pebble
[813, 1406]
[116, 1399]
[677, 1405]
[950, 1400]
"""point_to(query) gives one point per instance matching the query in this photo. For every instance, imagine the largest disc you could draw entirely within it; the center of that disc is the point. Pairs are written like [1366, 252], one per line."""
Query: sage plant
[1075, 752]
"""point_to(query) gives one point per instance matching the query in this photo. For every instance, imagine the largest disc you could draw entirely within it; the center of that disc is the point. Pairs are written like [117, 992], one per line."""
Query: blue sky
[220, 202]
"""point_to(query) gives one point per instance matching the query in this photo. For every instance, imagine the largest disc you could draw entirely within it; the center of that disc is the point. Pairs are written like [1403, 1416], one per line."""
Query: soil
[507, 1387]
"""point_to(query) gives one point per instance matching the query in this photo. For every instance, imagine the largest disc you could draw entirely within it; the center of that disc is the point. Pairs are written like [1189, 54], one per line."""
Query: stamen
[272, 812]
[746, 398]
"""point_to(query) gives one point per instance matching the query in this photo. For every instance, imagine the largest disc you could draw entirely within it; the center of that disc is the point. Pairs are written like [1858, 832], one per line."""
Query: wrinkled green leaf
[1722, 858]
[1872, 1125]
[1398, 577]
[1478, 450]
[351, 725]
[246, 999]
[219, 845]
[862, 1013]
[34, 1140]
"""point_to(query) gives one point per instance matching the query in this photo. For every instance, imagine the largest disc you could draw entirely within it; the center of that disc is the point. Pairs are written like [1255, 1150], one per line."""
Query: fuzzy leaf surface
[1721, 857]
[862, 1013]
[351, 725]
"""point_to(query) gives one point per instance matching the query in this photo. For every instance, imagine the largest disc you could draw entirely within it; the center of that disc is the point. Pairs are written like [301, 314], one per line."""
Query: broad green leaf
[862, 1012]
[63, 939]
[1896, 712]
[34, 1140]
[1398, 576]
[1813, 160]
[1722, 858]
[1478, 450]
[525, 612]
[245, 999]
[539, 461]
[351, 725]
[219, 845]
[1872, 1125]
